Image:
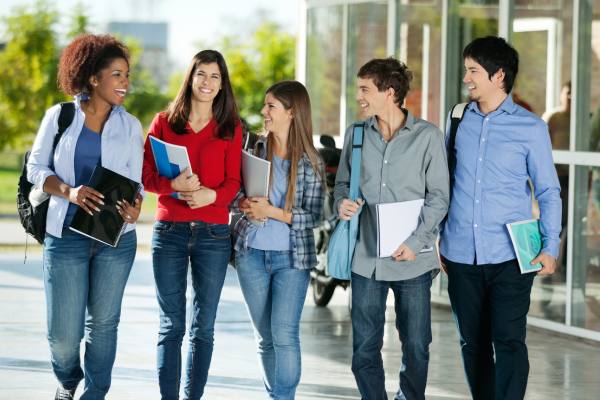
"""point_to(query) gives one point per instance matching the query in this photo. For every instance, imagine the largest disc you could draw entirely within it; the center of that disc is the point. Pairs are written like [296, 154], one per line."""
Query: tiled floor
[561, 368]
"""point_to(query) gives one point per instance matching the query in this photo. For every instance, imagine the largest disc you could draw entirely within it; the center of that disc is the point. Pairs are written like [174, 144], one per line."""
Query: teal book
[527, 242]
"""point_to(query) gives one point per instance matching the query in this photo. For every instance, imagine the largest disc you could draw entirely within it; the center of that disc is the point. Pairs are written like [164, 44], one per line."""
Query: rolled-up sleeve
[38, 164]
[547, 189]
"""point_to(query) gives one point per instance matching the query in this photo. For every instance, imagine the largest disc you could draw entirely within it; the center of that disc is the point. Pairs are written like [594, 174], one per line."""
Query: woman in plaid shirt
[274, 255]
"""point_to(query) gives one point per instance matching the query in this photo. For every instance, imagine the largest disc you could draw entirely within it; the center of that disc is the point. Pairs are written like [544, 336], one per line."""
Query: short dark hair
[388, 73]
[84, 57]
[494, 53]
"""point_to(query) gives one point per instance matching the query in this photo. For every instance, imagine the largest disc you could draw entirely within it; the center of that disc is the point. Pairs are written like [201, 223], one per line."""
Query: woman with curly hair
[192, 227]
[83, 276]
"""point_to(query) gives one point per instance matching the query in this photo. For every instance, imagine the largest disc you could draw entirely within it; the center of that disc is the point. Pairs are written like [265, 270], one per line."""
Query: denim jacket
[122, 148]
[307, 212]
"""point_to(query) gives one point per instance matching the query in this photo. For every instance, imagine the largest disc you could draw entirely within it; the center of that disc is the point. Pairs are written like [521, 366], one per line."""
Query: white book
[395, 223]
[171, 159]
[255, 175]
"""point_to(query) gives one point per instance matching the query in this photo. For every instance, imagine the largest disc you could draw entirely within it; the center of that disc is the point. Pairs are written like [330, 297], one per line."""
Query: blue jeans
[176, 245]
[412, 300]
[82, 274]
[490, 304]
[274, 292]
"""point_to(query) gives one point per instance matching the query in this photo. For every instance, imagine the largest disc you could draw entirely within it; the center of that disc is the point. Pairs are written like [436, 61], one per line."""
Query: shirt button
[483, 140]
[476, 201]
[383, 184]
[385, 161]
[487, 118]
[475, 226]
[478, 180]
[480, 159]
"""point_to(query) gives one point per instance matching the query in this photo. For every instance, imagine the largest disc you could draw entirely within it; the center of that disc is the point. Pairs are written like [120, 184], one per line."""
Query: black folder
[107, 225]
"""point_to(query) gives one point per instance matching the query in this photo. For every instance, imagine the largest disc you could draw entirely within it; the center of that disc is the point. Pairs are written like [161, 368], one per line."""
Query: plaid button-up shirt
[307, 212]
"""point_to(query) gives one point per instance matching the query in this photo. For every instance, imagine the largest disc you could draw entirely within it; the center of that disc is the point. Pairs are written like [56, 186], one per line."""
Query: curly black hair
[84, 57]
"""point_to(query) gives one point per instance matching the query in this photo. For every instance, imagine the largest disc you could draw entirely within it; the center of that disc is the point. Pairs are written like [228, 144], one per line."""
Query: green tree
[28, 67]
[255, 64]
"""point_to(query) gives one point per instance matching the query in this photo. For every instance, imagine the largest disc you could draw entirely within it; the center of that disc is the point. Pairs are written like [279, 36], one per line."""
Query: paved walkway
[561, 368]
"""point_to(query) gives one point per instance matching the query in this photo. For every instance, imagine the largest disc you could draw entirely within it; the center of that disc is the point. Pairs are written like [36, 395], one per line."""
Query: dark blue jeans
[490, 304]
[176, 245]
[83, 276]
[412, 302]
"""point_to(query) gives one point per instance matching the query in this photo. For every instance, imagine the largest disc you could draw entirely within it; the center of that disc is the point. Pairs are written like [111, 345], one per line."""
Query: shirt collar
[508, 106]
[79, 97]
[409, 122]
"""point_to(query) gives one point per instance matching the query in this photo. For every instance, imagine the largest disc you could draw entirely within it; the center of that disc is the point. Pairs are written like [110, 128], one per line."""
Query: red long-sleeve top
[215, 161]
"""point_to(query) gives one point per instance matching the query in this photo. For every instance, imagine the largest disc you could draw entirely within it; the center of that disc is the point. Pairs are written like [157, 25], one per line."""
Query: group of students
[404, 158]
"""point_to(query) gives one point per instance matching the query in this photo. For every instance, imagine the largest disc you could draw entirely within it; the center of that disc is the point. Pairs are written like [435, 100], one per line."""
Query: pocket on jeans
[219, 231]
[163, 226]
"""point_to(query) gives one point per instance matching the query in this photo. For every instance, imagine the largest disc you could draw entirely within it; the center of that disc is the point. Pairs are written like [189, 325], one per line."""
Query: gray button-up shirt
[412, 165]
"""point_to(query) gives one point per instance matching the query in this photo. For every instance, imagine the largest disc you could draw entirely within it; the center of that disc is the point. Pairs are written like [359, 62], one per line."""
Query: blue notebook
[527, 242]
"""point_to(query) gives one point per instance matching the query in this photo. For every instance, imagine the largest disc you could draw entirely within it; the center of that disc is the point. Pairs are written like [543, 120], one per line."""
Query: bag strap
[357, 143]
[65, 118]
[456, 116]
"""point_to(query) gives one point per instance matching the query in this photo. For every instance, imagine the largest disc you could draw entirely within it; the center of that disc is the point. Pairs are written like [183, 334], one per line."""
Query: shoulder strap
[357, 143]
[456, 116]
[65, 118]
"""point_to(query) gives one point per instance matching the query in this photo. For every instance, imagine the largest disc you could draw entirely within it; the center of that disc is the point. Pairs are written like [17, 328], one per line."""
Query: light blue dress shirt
[122, 149]
[496, 154]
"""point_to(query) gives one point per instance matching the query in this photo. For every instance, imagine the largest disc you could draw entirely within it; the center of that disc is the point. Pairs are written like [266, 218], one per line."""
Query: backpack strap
[65, 118]
[456, 116]
[357, 143]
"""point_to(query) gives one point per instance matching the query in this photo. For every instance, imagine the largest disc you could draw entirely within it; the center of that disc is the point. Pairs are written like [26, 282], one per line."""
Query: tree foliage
[255, 62]
[28, 72]
[28, 66]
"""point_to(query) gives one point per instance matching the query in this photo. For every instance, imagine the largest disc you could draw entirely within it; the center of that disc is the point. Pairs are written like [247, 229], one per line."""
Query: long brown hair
[224, 107]
[293, 96]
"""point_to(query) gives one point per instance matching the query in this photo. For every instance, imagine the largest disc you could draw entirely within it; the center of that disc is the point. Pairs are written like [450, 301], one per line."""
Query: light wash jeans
[81, 274]
[176, 245]
[274, 292]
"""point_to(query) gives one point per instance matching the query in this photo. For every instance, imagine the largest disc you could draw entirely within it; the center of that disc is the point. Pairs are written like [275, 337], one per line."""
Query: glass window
[588, 138]
[586, 245]
[548, 295]
[468, 19]
[542, 34]
[324, 67]
[419, 34]
[367, 39]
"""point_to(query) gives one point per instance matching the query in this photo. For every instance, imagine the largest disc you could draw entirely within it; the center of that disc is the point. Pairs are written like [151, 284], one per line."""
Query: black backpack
[32, 218]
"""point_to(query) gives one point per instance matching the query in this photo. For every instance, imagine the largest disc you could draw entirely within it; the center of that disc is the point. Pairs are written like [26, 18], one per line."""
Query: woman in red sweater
[192, 217]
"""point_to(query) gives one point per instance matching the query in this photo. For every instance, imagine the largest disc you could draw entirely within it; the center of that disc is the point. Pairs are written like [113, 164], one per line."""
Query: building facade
[559, 79]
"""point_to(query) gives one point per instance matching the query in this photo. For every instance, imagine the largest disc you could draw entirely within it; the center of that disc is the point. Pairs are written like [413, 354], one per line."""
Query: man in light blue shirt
[499, 146]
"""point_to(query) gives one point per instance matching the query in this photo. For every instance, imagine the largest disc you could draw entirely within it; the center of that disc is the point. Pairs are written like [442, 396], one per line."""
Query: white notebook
[255, 175]
[395, 223]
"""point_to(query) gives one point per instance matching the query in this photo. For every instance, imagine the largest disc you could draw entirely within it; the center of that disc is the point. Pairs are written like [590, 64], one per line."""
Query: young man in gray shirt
[403, 158]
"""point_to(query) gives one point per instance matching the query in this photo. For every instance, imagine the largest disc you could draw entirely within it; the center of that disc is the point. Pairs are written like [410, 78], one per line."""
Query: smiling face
[277, 118]
[111, 83]
[370, 100]
[481, 87]
[206, 82]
